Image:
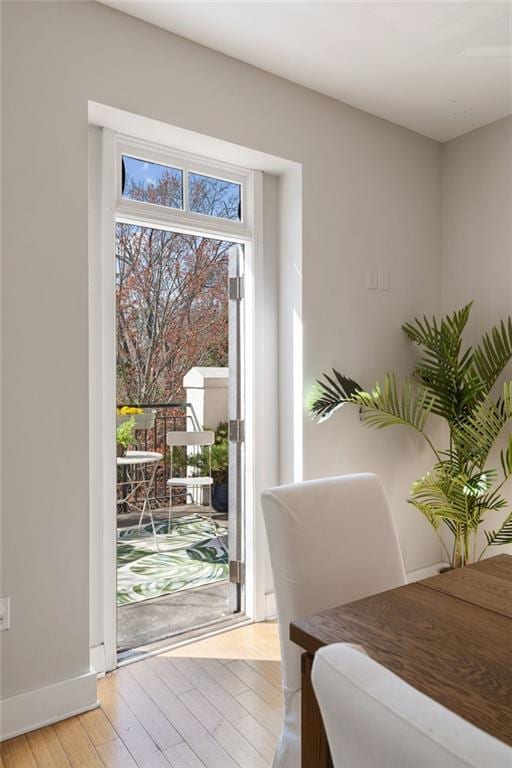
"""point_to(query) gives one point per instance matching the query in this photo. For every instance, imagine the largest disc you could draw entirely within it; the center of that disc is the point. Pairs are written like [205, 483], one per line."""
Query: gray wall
[477, 223]
[370, 196]
[477, 237]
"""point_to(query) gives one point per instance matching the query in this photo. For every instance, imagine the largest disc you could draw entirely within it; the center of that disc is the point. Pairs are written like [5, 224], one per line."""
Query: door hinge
[236, 572]
[236, 430]
[236, 288]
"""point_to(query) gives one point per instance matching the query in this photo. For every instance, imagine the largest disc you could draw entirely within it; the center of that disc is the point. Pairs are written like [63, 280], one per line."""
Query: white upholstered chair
[373, 719]
[331, 541]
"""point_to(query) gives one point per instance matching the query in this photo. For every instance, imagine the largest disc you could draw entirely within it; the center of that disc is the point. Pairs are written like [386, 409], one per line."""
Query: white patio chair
[374, 719]
[192, 485]
[331, 541]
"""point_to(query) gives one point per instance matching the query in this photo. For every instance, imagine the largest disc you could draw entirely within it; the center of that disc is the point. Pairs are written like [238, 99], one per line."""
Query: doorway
[180, 399]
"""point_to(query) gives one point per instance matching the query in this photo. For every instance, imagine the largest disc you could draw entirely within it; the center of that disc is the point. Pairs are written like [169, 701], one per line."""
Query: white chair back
[204, 437]
[331, 541]
[376, 720]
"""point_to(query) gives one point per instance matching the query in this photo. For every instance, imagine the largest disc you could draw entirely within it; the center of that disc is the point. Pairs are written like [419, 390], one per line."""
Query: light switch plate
[384, 279]
[5, 612]
[372, 278]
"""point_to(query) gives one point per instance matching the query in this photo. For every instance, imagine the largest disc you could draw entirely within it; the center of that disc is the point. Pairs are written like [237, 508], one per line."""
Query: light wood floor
[214, 704]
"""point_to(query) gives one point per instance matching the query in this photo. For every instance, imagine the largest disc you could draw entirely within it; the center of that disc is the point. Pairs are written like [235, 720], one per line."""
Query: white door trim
[102, 368]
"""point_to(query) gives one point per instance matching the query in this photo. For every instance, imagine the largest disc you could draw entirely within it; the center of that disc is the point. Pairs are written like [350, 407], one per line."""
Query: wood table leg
[315, 748]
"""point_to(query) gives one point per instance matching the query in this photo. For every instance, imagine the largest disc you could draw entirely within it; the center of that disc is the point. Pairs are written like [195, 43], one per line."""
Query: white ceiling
[440, 68]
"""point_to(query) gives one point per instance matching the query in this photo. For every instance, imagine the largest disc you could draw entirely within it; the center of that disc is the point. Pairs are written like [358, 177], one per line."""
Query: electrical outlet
[5, 612]
[372, 278]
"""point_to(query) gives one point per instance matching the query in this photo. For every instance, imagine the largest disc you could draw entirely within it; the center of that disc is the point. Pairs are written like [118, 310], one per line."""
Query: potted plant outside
[144, 418]
[125, 436]
[455, 385]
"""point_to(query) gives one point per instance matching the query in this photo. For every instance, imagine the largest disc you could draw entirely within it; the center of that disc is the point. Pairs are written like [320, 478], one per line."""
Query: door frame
[103, 367]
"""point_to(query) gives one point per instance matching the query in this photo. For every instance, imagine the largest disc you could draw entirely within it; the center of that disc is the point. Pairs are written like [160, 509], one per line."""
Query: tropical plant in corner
[455, 384]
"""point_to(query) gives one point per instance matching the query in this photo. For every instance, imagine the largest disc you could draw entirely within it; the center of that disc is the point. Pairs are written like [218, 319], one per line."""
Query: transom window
[156, 183]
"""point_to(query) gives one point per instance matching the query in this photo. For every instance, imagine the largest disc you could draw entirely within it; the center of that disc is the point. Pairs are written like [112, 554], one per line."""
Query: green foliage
[455, 384]
[125, 433]
[201, 461]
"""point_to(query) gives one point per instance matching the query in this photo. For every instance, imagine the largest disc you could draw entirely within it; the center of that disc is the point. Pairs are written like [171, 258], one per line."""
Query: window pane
[214, 197]
[152, 183]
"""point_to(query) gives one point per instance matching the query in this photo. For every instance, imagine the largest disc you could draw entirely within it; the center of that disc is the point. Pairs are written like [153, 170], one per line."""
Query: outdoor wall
[370, 196]
[477, 232]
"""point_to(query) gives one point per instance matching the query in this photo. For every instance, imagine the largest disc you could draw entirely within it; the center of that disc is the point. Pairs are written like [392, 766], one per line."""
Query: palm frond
[493, 353]
[442, 496]
[502, 535]
[329, 395]
[386, 406]
[477, 434]
[442, 368]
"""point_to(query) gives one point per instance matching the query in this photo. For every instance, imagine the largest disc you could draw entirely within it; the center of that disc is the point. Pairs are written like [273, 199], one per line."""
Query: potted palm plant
[454, 384]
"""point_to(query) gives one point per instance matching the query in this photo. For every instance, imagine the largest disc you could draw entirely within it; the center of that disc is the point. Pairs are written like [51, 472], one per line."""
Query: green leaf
[493, 353]
[502, 535]
[477, 434]
[447, 373]
[386, 405]
[329, 395]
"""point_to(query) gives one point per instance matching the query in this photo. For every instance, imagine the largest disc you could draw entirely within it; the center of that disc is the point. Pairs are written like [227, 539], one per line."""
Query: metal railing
[170, 417]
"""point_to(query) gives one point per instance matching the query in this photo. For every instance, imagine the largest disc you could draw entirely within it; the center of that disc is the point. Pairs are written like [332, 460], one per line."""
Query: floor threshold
[178, 641]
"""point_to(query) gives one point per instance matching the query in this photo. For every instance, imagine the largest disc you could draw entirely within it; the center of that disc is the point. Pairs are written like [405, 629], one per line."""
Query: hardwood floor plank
[190, 729]
[257, 683]
[213, 704]
[47, 749]
[210, 688]
[181, 756]
[142, 705]
[223, 731]
[77, 745]
[170, 674]
[270, 670]
[16, 753]
[220, 672]
[261, 738]
[253, 641]
[114, 754]
[130, 729]
[97, 726]
[263, 712]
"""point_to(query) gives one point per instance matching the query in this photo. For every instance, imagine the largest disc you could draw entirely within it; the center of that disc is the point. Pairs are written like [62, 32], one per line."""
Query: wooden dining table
[449, 636]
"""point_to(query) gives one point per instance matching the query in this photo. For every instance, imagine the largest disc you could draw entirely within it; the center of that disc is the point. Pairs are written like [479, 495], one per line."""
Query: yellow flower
[127, 410]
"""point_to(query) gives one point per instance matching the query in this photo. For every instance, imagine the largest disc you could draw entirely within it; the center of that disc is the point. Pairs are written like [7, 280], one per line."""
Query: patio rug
[189, 557]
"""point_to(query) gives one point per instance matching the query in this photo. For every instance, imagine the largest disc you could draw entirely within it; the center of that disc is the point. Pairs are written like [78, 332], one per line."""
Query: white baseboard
[270, 606]
[426, 572]
[35, 709]
[97, 660]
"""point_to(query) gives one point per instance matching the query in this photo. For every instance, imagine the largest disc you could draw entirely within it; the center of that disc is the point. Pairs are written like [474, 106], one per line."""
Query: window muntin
[214, 197]
[151, 182]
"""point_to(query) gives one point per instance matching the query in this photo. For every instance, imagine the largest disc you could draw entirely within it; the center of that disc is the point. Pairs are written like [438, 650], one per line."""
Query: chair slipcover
[331, 541]
[373, 719]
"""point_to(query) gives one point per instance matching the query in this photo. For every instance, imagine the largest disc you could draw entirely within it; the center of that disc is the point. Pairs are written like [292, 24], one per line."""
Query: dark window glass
[152, 183]
[214, 197]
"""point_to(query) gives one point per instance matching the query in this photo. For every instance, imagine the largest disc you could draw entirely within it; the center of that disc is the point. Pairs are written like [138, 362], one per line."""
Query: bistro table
[139, 480]
[449, 636]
